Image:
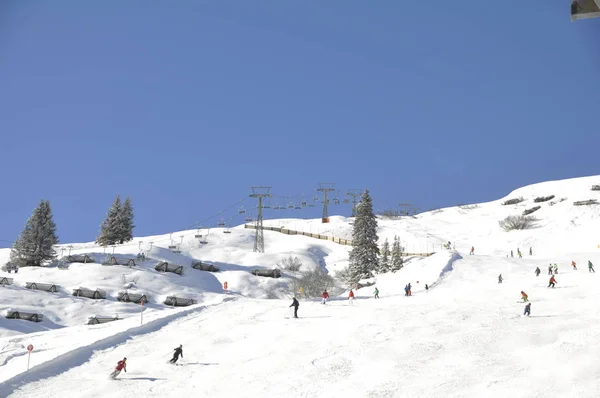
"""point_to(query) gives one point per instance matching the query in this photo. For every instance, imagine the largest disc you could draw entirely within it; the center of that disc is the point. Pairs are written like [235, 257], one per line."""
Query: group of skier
[552, 271]
[122, 364]
[519, 253]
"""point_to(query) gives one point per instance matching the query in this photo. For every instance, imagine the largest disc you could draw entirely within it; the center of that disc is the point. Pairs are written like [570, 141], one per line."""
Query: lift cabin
[582, 9]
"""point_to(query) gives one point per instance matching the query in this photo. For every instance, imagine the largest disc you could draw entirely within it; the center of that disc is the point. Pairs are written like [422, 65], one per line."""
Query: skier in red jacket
[351, 297]
[121, 365]
[552, 281]
[325, 296]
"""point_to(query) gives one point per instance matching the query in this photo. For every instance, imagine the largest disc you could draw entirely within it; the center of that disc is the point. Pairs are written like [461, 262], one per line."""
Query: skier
[555, 268]
[552, 281]
[351, 297]
[524, 296]
[177, 353]
[530, 251]
[376, 293]
[574, 265]
[325, 296]
[121, 365]
[527, 309]
[519, 253]
[511, 253]
[295, 304]
[472, 250]
[426, 287]
[409, 289]
[550, 269]
[591, 267]
[500, 278]
[537, 271]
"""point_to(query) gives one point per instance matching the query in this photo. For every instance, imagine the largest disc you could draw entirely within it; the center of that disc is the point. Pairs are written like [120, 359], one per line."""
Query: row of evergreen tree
[366, 258]
[35, 244]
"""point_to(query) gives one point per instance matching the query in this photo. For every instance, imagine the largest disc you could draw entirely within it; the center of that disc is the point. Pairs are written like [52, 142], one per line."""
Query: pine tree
[363, 256]
[126, 222]
[35, 244]
[384, 263]
[111, 230]
[396, 262]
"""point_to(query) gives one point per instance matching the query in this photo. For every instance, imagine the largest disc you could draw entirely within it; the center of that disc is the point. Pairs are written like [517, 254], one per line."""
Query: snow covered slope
[464, 337]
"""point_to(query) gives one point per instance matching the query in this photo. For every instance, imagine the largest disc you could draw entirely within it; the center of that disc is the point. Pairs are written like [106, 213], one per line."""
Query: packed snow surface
[464, 337]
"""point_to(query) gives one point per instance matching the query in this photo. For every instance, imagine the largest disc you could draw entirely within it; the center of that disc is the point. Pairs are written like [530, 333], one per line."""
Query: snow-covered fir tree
[111, 230]
[396, 262]
[364, 253]
[35, 244]
[126, 222]
[384, 261]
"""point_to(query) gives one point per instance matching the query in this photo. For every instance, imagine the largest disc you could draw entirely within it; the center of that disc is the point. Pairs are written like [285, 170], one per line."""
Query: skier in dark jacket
[295, 304]
[527, 309]
[177, 353]
[537, 271]
[500, 278]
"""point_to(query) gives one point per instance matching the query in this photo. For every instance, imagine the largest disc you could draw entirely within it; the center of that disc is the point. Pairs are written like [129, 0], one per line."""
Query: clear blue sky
[183, 105]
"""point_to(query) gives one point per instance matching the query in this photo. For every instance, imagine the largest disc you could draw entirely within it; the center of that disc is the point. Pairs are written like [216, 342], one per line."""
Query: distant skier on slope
[591, 267]
[376, 293]
[472, 250]
[519, 253]
[295, 304]
[351, 297]
[121, 365]
[550, 269]
[574, 265]
[511, 253]
[537, 271]
[500, 278]
[527, 309]
[555, 268]
[524, 296]
[324, 297]
[177, 353]
[530, 251]
[552, 281]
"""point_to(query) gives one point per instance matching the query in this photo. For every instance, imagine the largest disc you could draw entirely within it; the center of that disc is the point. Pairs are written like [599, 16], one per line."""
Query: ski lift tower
[404, 209]
[260, 192]
[325, 187]
[354, 193]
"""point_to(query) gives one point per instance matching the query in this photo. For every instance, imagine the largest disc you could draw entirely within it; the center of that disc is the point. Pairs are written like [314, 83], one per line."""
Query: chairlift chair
[290, 205]
[249, 219]
[298, 207]
[176, 250]
[303, 203]
[241, 210]
[346, 200]
[316, 198]
[198, 234]
[221, 223]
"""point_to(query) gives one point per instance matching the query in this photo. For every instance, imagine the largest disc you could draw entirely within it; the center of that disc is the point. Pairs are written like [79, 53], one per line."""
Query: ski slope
[465, 337]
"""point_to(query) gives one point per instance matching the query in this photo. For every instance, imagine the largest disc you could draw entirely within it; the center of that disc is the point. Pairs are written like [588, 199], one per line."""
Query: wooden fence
[346, 242]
